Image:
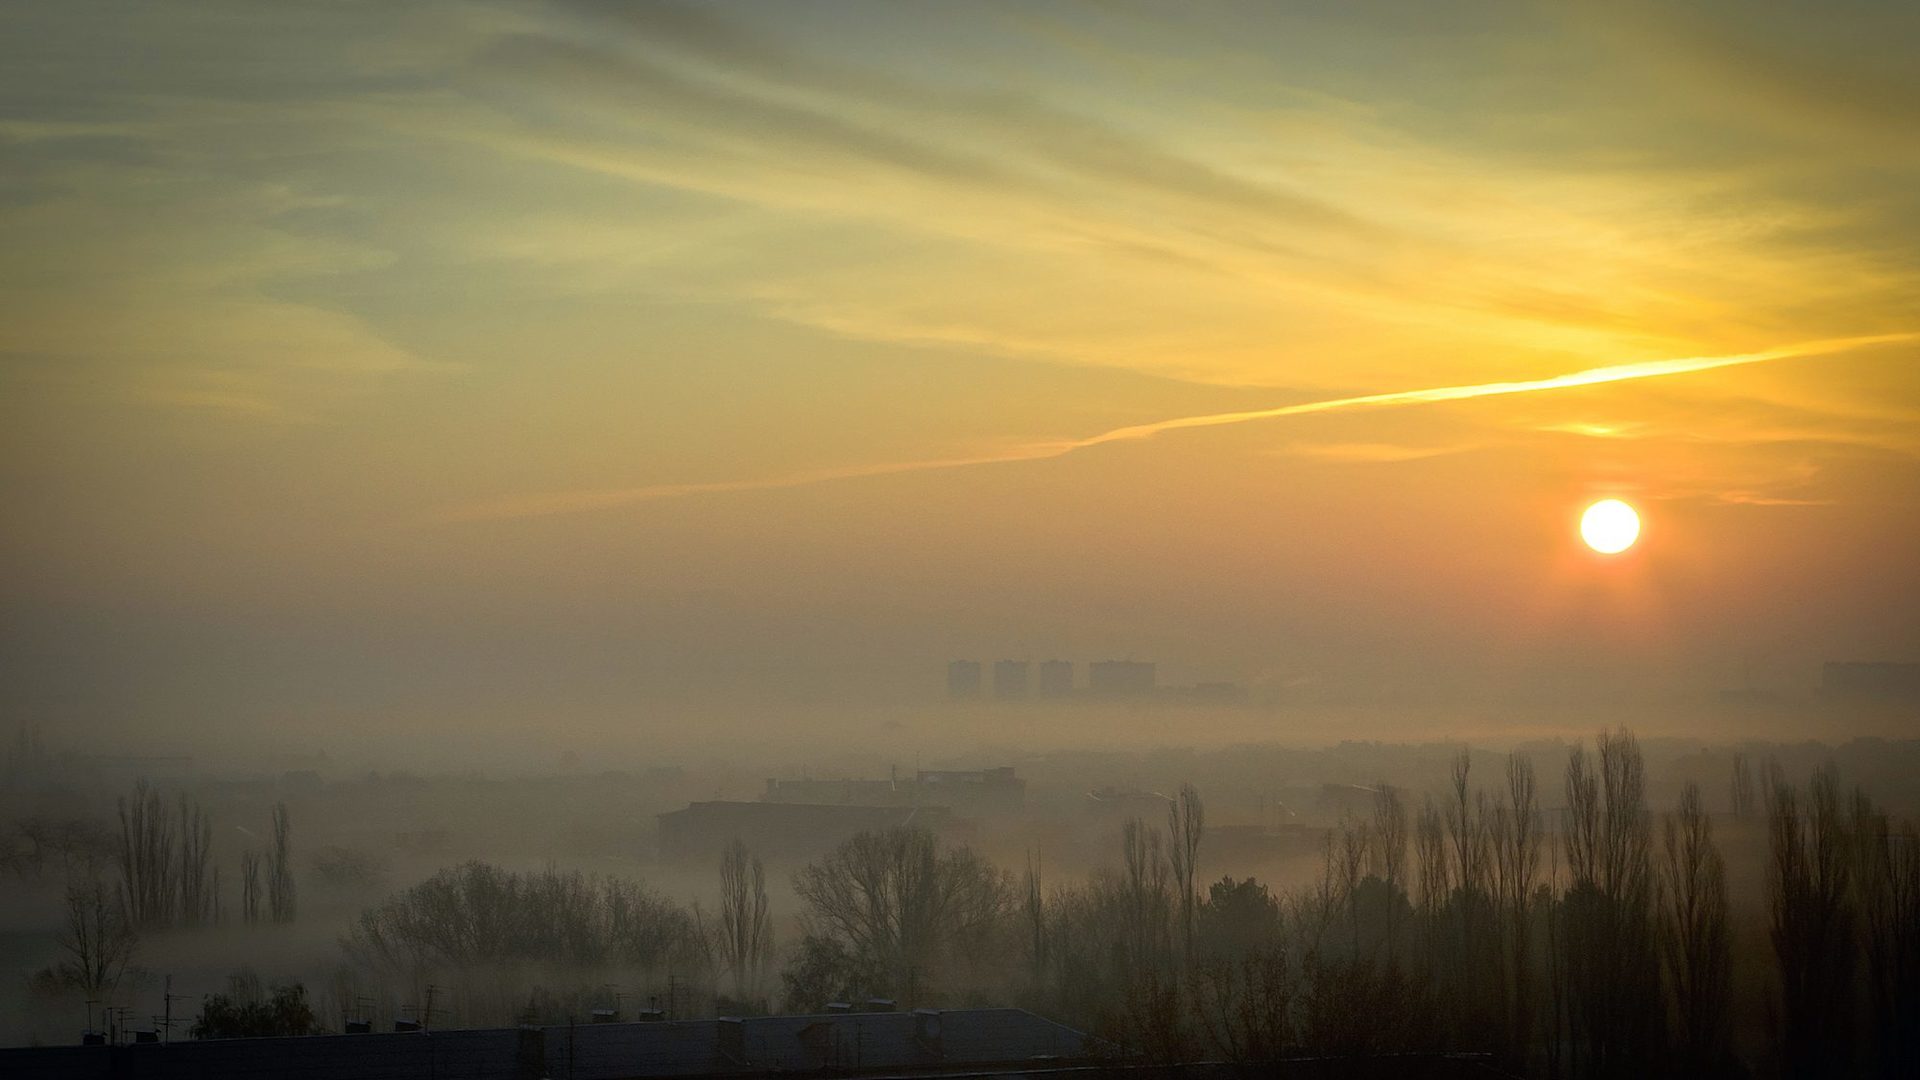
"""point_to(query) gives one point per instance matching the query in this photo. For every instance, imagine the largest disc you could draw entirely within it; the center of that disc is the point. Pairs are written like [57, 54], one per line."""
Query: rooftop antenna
[167, 1021]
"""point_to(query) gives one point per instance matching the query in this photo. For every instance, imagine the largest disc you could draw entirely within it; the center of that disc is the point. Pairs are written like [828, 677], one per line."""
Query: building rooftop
[920, 1042]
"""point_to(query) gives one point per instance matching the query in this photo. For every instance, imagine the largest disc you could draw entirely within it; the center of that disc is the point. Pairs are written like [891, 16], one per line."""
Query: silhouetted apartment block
[963, 679]
[1056, 678]
[1010, 678]
[1869, 681]
[1120, 677]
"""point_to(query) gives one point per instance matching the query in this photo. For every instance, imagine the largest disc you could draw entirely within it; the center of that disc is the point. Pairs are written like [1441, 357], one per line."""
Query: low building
[1056, 678]
[966, 792]
[925, 1042]
[781, 831]
[1857, 680]
[1114, 805]
[1121, 678]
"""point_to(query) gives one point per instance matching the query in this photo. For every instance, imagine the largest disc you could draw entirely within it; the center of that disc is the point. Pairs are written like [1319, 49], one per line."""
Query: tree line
[1596, 940]
[164, 878]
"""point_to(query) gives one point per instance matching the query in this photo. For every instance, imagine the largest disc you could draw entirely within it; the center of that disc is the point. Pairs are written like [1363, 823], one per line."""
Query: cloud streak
[583, 501]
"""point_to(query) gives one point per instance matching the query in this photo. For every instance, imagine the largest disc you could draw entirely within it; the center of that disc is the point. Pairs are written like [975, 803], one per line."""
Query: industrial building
[1870, 681]
[967, 792]
[782, 831]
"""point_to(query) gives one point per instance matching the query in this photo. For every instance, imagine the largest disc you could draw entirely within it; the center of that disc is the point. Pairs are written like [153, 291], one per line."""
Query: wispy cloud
[581, 501]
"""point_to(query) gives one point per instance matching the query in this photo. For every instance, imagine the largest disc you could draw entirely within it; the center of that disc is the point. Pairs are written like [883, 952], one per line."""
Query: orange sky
[572, 354]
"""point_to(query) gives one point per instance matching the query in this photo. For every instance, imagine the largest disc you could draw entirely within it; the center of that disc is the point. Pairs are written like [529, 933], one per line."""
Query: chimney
[730, 1033]
[926, 1032]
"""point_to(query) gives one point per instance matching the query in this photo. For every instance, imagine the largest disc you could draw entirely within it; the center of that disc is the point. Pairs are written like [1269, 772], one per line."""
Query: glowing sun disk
[1610, 526]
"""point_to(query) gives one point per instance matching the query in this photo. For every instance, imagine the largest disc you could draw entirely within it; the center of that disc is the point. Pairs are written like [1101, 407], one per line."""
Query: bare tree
[250, 886]
[746, 928]
[1390, 841]
[1034, 910]
[1516, 858]
[902, 905]
[1887, 878]
[1186, 821]
[1517, 844]
[1467, 827]
[1743, 798]
[97, 939]
[1814, 922]
[485, 926]
[1472, 982]
[280, 890]
[1355, 844]
[1580, 833]
[1612, 967]
[147, 882]
[1430, 857]
[196, 844]
[1146, 897]
[1696, 936]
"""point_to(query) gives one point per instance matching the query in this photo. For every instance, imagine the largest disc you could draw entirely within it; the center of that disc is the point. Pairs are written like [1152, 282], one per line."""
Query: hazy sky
[422, 360]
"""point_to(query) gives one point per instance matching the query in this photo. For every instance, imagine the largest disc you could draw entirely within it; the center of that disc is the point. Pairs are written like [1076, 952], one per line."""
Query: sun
[1610, 526]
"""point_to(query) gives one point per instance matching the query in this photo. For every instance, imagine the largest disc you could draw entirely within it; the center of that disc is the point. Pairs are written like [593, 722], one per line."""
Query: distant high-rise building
[1056, 678]
[1864, 681]
[1010, 678]
[1120, 678]
[963, 679]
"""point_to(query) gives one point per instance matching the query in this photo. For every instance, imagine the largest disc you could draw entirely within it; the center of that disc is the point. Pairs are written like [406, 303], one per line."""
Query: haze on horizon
[462, 364]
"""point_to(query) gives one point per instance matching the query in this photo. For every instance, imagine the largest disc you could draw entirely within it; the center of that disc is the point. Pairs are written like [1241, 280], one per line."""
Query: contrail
[580, 501]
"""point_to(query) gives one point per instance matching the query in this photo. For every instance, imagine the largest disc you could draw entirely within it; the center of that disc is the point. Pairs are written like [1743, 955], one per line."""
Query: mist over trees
[1539, 909]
